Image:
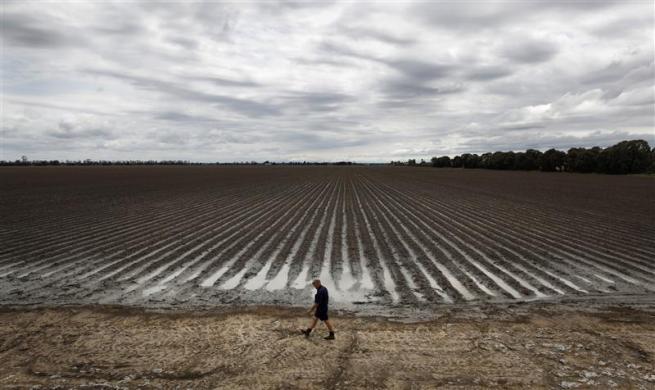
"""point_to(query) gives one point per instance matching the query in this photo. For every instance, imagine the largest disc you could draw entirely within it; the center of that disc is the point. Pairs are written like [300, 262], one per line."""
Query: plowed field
[378, 237]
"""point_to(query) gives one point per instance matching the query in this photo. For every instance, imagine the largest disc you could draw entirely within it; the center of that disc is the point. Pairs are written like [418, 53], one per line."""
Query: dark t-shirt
[321, 298]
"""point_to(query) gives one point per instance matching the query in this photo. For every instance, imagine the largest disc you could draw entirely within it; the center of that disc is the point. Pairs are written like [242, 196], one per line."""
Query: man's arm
[311, 310]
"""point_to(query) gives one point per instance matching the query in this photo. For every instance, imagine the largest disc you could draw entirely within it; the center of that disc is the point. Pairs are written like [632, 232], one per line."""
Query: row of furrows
[276, 271]
[142, 252]
[357, 233]
[466, 262]
[65, 242]
[142, 242]
[35, 244]
[92, 211]
[626, 237]
[137, 231]
[271, 271]
[477, 268]
[40, 229]
[630, 245]
[569, 246]
[573, 256]
[591, 221]
[217, 251]
[153, 277]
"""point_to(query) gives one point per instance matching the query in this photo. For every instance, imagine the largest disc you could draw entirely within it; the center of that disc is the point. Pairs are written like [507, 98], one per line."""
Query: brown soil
[157, 236]
[527, 346]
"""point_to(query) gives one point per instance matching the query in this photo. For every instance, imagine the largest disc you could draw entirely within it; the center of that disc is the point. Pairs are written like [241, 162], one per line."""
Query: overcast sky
[322, 81]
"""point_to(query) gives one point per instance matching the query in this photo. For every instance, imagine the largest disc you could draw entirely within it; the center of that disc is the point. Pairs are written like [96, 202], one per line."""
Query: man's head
[316, 283]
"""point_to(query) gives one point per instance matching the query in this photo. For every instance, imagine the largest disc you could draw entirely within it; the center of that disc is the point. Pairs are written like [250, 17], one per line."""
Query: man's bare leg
[313, 325]
[331, 329]
[307, 331]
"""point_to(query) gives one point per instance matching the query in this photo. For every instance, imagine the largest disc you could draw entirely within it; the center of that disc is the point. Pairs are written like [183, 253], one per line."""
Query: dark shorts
[321, 316]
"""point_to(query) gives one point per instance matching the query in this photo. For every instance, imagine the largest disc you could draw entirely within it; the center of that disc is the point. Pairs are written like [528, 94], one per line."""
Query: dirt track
[525, 346]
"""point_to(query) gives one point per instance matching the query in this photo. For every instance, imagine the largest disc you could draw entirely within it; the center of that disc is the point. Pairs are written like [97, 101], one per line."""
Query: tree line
[24, 161]
[634, 156]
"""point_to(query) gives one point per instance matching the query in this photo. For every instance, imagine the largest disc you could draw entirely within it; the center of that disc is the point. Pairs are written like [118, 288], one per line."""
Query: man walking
[320, 309]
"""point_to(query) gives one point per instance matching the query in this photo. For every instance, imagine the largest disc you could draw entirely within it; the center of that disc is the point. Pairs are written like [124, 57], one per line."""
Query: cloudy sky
[323, 80]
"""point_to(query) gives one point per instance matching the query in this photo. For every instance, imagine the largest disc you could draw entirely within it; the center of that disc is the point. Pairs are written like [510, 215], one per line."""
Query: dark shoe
[330, 336]
[306, 332]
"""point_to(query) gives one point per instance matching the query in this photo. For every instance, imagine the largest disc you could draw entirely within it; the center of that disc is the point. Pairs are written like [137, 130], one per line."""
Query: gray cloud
[529, 50]
[72, 131]
[229, 83]
[404, 89]
[486, 73]
[420, 70]
[322, 81]
[242, 106]
[26, 31]
[375, 34]
[181, 117]
[472, 17]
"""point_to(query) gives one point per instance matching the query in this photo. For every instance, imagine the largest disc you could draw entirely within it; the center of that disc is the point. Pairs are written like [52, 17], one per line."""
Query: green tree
[552, 160]
[440, 162]
[625, 157]
[470, 160]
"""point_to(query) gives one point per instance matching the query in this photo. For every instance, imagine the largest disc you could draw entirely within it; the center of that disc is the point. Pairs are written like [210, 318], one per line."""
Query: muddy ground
[189, 237]
[530, 345]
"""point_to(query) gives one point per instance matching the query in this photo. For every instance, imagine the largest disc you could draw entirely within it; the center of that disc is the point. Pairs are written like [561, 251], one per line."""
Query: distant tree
[519, 161]
[625, 157]
[552, 160]
[456, 162]
[470, 160]
[582, 160]
[528, 161]
[411, 162]
[440, 162]
[485, 161]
